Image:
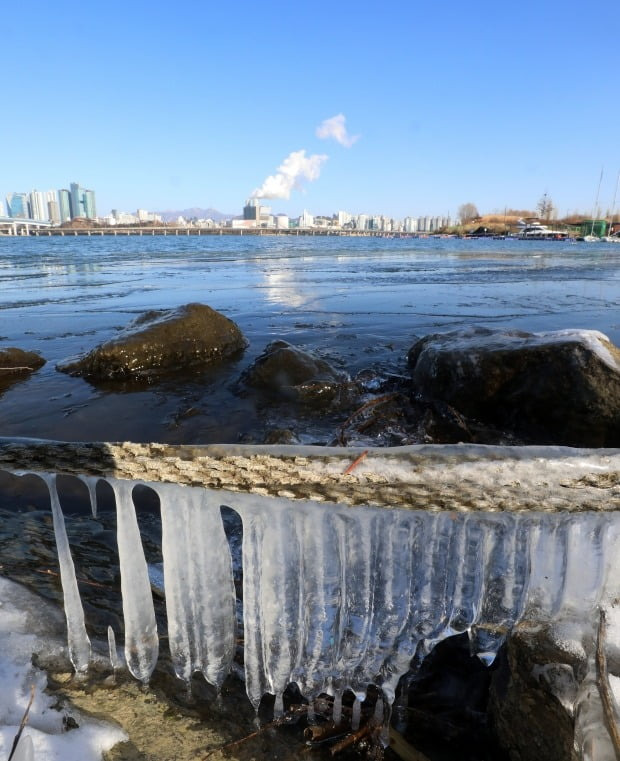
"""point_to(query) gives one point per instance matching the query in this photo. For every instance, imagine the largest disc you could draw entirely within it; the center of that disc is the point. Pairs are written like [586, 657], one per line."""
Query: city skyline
[388, 111]
[56, 206]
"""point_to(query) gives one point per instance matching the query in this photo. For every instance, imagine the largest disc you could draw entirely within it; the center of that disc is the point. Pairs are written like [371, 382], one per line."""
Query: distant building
[361, 222]
[64, 205]
[306, 219]
[252, 210]
[344, 218]
[76, 200]
[90, 208]
[82, 202]
[282, 222]
[17, 205]
[51, 204]
[37, 206]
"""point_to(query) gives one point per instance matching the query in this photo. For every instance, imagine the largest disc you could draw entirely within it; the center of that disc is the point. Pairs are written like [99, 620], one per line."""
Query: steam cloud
[295, 168]
[335, 128]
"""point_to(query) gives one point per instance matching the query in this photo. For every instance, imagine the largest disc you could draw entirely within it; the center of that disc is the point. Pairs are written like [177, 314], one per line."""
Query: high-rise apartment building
[82, 202]
[64, 205]
[17, 205]
[77, 201]
[37, 206]
[90, 210]
[51, 203]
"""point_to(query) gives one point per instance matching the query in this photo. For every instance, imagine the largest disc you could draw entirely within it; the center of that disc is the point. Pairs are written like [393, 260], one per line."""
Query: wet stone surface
[162, 341]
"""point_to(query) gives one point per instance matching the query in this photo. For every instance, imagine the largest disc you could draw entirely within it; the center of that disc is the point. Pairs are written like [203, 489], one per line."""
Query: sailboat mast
[613, 204]
[598, 192]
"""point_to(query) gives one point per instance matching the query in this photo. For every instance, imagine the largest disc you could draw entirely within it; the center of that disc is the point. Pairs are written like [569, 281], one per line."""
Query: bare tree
[468, 212]
[545, 207]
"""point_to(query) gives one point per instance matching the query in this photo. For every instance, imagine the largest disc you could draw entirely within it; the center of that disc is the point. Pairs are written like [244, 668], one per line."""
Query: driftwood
[461, 477]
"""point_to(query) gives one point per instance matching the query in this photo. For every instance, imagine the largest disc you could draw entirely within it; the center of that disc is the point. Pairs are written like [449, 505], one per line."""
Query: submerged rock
[286, 372]
[16, 364]
[163, 341]
[559, 387]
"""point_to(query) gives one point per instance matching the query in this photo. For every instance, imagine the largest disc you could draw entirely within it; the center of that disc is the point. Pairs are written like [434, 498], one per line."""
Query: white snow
[28, 625]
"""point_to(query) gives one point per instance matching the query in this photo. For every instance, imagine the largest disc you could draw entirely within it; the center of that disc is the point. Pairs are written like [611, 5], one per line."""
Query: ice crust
[337, 598]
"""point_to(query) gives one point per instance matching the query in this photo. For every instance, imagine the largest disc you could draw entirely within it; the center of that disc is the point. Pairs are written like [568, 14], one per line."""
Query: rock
[16, 364]
[281, 436]
[160, 342]
[286, 372]
[554, 388]
[531, 699]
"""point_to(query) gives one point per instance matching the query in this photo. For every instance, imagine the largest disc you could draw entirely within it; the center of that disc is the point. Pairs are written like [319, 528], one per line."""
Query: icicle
[358, 558]
[356, 712]
[24, 750]
[256, 684]
[78, 641]
[141, 640]
[337, 708]
[592, 739]
[91, 484]
[278, 706]
[379, 710]
[200, 594]
[583, 580]
[506, 579]
[548, 563]
[114, 659]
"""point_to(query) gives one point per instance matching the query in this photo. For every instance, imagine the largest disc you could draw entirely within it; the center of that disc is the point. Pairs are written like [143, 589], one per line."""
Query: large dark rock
[16, 364]
[172, 340]
[285, 372]
[555, 388]
[531, 698]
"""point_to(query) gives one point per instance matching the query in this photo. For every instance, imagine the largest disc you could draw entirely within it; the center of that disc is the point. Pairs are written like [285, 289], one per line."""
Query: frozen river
[360, 303]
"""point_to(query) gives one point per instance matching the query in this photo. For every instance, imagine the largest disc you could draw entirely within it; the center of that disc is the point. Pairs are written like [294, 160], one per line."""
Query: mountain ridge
[196, 212]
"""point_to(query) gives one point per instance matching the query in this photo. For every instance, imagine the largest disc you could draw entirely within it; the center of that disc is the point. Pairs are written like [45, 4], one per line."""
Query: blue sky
[165, 106]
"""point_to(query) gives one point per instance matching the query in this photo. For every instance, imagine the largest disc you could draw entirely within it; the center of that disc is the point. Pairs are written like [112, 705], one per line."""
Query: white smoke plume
[335, 128]
[295, 168]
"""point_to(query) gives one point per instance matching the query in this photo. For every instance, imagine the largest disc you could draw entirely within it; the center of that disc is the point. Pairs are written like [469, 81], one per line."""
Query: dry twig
[290, 716]
[364, 408]
[355, 463]
[22, 724]
[352, 738]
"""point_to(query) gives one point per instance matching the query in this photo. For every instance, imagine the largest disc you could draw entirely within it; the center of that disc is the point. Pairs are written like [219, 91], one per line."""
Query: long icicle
[141, 638]
[78, 641]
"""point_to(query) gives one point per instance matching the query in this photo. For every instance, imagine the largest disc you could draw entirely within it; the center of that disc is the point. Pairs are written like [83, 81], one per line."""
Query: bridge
[21, 226]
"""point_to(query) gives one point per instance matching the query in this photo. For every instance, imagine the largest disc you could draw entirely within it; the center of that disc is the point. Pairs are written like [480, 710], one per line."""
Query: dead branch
[22, 724]
[604, 688]
[289, 717]
[352, 738]
[364, 408]
[16, 369]
[319, 733]
[355, 463]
